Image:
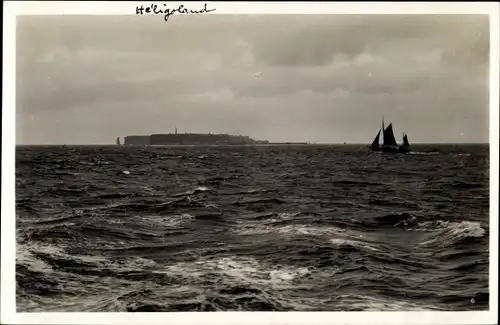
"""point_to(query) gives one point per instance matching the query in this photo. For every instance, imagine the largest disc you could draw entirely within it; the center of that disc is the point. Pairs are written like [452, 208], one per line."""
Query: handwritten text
[167, 12]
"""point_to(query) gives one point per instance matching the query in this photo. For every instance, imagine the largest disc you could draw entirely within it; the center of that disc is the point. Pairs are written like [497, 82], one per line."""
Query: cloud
[318, 42]
[319, 72]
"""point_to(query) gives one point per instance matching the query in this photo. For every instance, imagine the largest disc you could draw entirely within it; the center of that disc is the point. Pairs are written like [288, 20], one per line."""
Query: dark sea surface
[265, 228]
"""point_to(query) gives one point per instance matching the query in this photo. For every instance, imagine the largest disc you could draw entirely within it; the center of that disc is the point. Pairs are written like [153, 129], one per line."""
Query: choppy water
[251, 228]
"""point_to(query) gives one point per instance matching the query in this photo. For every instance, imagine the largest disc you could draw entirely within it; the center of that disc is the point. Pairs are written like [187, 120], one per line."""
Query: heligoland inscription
[167, 12]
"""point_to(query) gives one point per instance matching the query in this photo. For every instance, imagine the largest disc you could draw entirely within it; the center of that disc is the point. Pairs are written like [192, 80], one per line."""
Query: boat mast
[383, 129]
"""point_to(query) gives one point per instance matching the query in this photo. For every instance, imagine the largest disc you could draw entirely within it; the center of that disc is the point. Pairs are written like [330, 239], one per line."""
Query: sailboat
[118, 141]
[389, 143]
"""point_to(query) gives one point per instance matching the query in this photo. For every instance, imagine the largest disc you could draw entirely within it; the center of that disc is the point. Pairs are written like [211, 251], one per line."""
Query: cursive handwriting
[167, 12]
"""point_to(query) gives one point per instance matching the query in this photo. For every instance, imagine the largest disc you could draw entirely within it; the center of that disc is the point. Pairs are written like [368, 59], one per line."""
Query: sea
[251, 228]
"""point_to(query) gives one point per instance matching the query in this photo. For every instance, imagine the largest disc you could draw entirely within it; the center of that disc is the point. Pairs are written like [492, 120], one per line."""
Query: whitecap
[454, 232]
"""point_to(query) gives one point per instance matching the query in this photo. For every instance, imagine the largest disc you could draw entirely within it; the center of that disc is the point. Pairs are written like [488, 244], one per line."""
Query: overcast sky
[321, 78]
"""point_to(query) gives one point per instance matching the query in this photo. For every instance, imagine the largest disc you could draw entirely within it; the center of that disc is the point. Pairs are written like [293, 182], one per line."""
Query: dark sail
[375, 142]
[118, 141]
[389, 139]
[405, 141]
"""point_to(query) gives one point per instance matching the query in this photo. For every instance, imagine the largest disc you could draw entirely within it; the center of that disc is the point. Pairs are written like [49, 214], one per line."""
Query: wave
[108, 233]
[47, 258]
[196, 190]
[355, 302]
[424, 153]
[237, 271]
[166, 221]
[339, 238]
[453, 233]
[26, 256]
[353, 243]
[64, 219]
[150, 205]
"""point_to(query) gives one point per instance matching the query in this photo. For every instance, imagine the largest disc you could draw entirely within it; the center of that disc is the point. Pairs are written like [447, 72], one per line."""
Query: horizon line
[303, 143]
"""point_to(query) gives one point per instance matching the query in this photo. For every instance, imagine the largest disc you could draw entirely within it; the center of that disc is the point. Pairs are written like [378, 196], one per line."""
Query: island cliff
[189, 139]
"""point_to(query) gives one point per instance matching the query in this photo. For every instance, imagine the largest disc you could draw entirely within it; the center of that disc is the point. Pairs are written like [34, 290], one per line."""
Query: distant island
[190, 139]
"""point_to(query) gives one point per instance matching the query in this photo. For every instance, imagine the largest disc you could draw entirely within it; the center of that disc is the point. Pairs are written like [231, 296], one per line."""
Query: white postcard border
[8, 252]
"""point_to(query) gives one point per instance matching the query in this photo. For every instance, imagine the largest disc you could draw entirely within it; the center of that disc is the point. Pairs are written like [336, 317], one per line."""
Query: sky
[315, 78]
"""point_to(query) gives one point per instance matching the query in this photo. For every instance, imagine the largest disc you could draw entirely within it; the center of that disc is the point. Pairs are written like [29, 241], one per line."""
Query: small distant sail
[405, 141]
[118, 140]
[389, 139]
